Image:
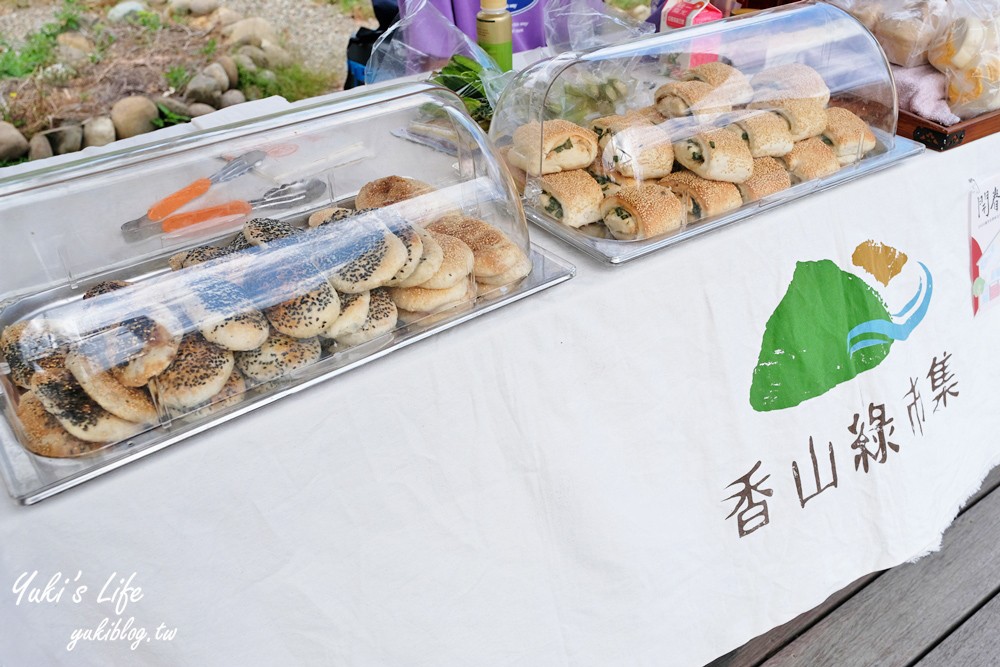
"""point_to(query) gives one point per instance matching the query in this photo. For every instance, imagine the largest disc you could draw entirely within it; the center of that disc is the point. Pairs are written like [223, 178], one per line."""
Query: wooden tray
[943, 138]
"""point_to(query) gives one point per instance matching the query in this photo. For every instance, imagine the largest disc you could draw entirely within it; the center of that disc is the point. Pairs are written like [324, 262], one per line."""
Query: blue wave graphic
[893, 330]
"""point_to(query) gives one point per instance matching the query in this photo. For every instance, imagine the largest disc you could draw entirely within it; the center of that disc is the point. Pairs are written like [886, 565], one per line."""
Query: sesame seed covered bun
[199, 372]
[225, 315]
[231, 393]
[390, 190]
[689, 98]
[650, 113]
[849, 136]
[105, 287]
[463, 302]
[44, 435]
[519, 175]
[610, 180]
[422, 300]
[768, 177]
[32, 345]
[130, 403]
[728, 82]
[805, 117]
[519, 269]
[430, 260]
[765, 132]
[381, 320]
[811, 159]
[641, 212]
[195, 256]
[456, 263]
[716, 154]
[790, 81]
[552, 146]
[413, 242]
[81, 416]
[701, 197]
[371, 260]
[261, 231]
[309, 314]
[331, 214]
[353, 313]
[606, 127]
[642, 152]
[278, 356]
[571, 197]
[494, 252]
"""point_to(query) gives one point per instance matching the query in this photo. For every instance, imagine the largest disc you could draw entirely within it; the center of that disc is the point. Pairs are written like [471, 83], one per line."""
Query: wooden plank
[766, 645]
[941, 137]
[974, 643]
[904, 613]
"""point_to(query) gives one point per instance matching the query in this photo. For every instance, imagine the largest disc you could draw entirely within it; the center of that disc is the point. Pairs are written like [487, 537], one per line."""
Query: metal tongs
[158, 218]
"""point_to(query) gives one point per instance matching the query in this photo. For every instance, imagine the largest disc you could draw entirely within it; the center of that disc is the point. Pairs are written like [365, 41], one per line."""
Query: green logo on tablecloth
[830, 327]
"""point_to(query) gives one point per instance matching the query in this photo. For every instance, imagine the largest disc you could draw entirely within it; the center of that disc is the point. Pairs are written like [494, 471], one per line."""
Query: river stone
[203, 88]
[200, 109]
[226, 16]
[244, 62]
[76, 40]
[98, 131]
[232, 72]
[218, 72]
[66, 139]
[12, 143]
[249, 31]
[179, 6]
[122, 10]
[173, 104]
[133, 116]
[277, 57]
[39, 147]
[203, 7]
[254, 53]
[232, 97]
[72, 57]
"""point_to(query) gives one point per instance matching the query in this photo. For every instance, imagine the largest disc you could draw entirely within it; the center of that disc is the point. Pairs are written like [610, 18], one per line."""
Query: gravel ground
[313, 30]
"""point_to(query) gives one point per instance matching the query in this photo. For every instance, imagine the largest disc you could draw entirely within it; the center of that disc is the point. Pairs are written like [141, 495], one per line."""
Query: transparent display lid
[150, 293]
[637, 146]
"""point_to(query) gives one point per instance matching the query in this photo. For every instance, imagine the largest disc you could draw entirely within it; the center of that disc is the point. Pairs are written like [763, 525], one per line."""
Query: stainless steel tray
[30, 478]
[614, 252]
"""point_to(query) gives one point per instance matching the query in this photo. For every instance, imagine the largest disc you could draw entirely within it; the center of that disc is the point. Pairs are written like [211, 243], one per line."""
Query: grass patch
[293, 83]
[360, 10]
[168, 117]
[210, 48]
[149, 20]
[177, 77]
[39, 46]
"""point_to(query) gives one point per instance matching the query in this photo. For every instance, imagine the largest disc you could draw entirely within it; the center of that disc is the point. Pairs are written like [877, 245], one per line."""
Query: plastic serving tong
[158, 215]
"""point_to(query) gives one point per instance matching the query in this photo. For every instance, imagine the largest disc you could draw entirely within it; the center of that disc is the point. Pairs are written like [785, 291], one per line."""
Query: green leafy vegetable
[555, 208]
[462, 75]
[565, 146]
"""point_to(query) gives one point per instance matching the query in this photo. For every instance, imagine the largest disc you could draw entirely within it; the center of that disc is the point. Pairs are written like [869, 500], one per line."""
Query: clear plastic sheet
[967, 51]
[576, 25]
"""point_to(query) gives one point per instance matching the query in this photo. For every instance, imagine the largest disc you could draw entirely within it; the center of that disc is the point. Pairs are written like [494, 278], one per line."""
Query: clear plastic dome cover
[150, 292]
[632, 147]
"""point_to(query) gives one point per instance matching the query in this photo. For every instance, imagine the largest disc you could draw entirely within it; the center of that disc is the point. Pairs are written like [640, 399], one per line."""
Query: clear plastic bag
[967, 51]
[867, 11]
[424, 42]
[576, 25]
[906, 29]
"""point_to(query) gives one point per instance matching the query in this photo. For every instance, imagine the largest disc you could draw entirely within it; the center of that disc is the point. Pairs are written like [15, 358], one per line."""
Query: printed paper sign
[984, 247]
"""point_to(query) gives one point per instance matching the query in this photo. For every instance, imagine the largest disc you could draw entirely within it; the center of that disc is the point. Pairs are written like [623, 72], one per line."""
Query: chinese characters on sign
[873, 437]
[984, 246]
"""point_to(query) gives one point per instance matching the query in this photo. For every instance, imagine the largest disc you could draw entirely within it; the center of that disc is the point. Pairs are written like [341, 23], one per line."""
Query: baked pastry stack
[714, 141]
[251, 311]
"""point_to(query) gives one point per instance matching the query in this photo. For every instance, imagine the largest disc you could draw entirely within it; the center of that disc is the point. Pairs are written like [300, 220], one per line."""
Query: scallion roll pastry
[791, 81]
[606, 127]
[520, 178]
[716, 154]
[729, 83]
[811, 159]
[552, 146]
[805, 117]
[848, 136]
[703, 198]
[765, 133]
[571, 197]
[642, 152]
[650, 113]
[768, 177]
[610, 180]
[641, 212]
[689, 98]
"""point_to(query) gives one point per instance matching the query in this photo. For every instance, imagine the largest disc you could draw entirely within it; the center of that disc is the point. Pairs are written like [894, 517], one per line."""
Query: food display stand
[651, 464]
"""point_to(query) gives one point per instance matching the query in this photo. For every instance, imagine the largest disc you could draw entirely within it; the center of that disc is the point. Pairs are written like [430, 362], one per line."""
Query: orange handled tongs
[159, 219]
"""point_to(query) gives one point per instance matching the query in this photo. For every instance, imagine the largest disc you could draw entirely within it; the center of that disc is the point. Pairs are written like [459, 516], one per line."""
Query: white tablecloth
[545, 485]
